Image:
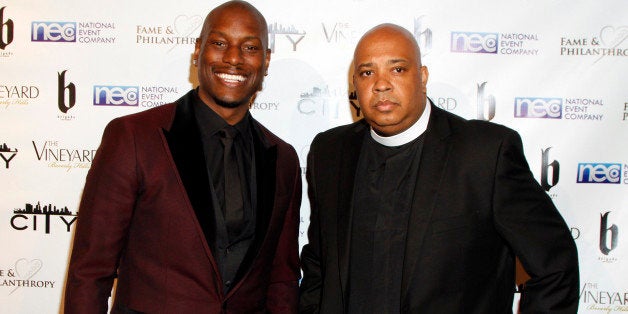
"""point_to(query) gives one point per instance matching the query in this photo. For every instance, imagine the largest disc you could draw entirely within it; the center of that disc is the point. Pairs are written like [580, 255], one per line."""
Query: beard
[228, 104]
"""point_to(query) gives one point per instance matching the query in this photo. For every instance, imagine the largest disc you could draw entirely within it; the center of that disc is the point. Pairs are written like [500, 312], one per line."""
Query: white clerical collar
[408, 135]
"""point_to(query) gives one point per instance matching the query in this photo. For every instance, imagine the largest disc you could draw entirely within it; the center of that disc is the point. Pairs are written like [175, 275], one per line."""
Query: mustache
[381, 99]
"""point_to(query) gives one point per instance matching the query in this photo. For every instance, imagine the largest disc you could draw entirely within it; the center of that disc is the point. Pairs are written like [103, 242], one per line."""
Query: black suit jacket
[476, 205]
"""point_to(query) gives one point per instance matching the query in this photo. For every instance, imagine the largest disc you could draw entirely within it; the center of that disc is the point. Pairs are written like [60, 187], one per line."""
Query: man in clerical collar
[416, 210]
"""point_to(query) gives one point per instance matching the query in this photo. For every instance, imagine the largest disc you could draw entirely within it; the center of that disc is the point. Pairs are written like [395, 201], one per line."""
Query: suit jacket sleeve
[310, 289]
[526, 217]
[105, 211]
[282, 296]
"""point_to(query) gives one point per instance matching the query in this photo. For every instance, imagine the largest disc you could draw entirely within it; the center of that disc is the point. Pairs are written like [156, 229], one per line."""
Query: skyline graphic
[45, 210]
[4, 148]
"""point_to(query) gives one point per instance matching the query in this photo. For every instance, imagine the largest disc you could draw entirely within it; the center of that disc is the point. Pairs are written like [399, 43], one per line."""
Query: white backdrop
[556, 71]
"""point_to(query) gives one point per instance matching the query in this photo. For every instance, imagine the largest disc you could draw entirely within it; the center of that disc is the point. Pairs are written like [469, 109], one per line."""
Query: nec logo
[472, 42]
[116, 95]
[53, 31]
[599, 173]
[544, 108]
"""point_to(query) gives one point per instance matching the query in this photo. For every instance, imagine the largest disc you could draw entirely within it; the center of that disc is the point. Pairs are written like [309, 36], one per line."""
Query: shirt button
[228, 283]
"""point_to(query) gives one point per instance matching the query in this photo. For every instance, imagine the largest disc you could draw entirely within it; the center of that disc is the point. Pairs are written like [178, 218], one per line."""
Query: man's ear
[424, 77]
[197, 51]
[267, 61]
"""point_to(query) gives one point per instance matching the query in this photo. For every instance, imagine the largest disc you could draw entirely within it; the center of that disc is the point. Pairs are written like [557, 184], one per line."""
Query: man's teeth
[231, 77]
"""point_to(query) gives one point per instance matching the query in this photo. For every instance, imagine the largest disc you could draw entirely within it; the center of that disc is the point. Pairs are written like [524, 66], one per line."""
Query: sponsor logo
[471, 42]
[599, 173]
[544, 108]
[30, 218]
[583, 109]
[423, 35]
[265, 106]
[65, 103]
[546, 182]
[17, 94]
[594, 298]
[518, 44]
[58, 156]
[7, 153]
[452, 99]
[446, 103]
[486, 103]
[608, 237]
[290, 33]
[23, 274]
[116, 95]
[181, 32]
[133, 96]
[494, 43]
[610, 41]
[589, 109]
[63, 32]
[339, 32]
[73, 32]
[155, 96]
[321, 101]
[6, 34]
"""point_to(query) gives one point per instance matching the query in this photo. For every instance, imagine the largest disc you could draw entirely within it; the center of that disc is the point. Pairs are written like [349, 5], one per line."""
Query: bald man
[194, 206]
[416, 210]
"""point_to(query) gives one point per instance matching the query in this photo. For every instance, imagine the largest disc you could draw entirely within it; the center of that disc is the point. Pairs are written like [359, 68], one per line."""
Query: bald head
[393, 34]
[233, 7]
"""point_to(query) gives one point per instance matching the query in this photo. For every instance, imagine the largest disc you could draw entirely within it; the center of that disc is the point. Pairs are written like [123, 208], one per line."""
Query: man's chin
[231, 103]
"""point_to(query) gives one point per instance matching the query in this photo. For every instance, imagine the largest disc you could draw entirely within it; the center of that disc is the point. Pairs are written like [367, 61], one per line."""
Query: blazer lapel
[183, 140]
[350, 153]
[265, 169]
[434, 158]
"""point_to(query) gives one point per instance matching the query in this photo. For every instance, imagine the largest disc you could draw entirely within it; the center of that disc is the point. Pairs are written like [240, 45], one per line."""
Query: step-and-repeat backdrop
[556, 71]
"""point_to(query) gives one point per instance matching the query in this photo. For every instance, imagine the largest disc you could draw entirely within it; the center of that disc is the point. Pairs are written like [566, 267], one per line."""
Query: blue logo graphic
[543, 108]
[473, 42]
[599, 173]
[53, 31]
[116, 95]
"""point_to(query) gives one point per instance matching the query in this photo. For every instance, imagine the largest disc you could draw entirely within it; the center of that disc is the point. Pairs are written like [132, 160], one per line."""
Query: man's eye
[366, 73]
[251, 48]
[218, 43]
[398, 69]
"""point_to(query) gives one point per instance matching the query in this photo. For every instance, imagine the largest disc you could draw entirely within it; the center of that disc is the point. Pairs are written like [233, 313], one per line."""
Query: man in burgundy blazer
[148, 217]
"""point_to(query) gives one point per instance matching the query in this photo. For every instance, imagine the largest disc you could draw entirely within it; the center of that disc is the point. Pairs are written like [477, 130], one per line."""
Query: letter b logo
[604, 232]
[486, 104]
[6, 30]
[63, 106]
[545, 170]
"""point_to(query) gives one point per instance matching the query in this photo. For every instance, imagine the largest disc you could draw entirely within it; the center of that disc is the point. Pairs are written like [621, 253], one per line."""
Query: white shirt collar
[408, 135]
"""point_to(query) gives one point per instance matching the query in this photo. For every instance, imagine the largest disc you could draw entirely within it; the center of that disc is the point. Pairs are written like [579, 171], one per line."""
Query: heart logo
[613, 36]
[184, 25]
[26, 269]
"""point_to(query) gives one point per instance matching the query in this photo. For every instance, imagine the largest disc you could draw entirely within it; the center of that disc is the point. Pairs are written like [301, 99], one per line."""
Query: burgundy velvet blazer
[146, 214]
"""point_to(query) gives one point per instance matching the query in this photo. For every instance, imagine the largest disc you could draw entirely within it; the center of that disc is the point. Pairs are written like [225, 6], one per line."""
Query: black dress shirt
[230, 246]
[385, 182]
